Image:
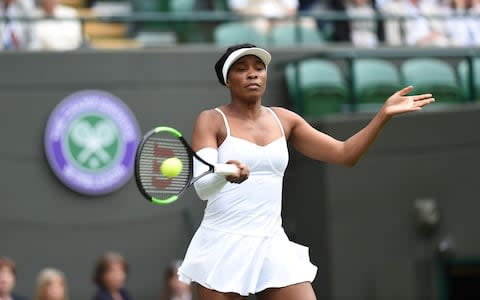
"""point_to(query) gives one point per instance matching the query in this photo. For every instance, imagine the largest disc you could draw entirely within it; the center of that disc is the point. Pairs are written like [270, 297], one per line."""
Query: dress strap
[224, 120]
[277, 119]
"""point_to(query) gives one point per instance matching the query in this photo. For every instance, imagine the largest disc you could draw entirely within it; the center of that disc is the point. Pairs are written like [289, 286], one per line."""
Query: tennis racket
[158, 145]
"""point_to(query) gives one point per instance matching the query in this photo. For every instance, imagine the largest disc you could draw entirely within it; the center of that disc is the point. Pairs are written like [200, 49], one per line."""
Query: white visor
[232, 58]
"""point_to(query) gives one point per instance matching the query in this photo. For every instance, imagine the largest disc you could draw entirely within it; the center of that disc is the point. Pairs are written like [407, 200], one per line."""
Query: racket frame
[191, 155]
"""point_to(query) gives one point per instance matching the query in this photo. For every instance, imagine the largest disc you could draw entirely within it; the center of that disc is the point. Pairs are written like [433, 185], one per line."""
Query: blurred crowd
[402, 22]
[109, 276]
[65, 33]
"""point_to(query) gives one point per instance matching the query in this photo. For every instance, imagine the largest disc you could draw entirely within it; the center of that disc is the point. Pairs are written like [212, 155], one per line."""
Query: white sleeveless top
[254, 206]
[240, 246]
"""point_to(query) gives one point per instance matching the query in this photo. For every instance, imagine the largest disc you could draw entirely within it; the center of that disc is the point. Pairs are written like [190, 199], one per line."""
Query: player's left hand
[400, 102]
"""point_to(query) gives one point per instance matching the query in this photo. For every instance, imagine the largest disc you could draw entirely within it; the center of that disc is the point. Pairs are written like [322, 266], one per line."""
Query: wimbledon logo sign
[90, 142]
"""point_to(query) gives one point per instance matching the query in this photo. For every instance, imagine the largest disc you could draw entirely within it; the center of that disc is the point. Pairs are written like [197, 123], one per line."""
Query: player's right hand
[242, 174]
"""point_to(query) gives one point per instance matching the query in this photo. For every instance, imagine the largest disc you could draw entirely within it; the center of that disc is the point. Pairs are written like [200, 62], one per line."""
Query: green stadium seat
[182, 5]
[429, 75]
[463, 74]
[321, 91]
[221, 5]
[188, 31]
[374, 81]
[227, 34]
[151, 6]
[286, 35]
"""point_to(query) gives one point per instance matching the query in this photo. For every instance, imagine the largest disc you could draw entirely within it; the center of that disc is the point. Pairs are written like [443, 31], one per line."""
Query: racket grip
[226, 169]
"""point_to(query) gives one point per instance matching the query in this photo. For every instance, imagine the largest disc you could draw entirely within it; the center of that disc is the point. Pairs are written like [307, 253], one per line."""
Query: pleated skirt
[243, 264]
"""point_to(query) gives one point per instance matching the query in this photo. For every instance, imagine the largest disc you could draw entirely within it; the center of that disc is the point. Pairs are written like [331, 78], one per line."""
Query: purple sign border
[57, 159]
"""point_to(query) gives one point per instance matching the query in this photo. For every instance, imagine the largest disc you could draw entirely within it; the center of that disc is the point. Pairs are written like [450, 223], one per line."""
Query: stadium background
[359, 223]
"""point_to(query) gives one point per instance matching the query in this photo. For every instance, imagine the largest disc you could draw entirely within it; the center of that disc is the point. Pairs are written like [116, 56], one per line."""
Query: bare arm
[205, 135]
[320, 146]
[205, 130]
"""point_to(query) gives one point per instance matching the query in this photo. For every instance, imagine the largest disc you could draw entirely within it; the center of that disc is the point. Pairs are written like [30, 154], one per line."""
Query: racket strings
[156, 149]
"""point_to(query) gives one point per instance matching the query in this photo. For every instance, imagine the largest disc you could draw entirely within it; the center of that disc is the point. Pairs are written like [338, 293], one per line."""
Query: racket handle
[226, 169]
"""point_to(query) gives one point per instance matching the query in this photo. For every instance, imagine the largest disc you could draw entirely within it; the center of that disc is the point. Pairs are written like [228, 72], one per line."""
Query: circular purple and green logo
[90, 142]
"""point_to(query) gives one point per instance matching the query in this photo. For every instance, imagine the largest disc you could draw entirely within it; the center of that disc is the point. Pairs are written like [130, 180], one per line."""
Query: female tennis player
[240, 247]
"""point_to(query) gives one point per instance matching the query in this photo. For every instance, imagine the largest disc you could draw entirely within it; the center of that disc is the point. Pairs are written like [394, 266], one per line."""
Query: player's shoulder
[209, 117]
[209, 114]
[285, 114]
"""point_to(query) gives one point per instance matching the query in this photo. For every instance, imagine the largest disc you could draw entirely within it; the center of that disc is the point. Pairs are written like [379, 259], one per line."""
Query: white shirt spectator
[58, 35]
[268, 8]
[417, 29]
[462, 29]
[265, 9]
[363, 33]
[15, 34]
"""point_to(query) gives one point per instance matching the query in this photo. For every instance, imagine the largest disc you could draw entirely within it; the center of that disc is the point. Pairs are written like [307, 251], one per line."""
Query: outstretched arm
[320, 146]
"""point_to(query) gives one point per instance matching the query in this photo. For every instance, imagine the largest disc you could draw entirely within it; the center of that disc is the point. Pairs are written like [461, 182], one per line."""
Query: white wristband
[208, 185]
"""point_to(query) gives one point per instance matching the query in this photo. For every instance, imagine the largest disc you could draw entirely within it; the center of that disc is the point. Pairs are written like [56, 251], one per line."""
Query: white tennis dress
[240, 245]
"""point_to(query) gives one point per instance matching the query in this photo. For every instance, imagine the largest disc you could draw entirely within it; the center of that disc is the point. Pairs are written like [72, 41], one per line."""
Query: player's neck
[250, 110]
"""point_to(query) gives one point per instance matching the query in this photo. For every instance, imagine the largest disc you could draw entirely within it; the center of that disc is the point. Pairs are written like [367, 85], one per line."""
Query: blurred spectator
[110, 276]
[363, 33]
[7, 279]
[269, 9]
[462, 29]
[62, 34]
[173, 288]
[316, 6]
[51, 285]
[15, 34]
[417, 28]
[341, 28]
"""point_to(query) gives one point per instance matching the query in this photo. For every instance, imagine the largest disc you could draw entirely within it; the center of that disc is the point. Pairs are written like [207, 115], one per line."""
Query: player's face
[247, 77]
[7, 281]
[115, 276]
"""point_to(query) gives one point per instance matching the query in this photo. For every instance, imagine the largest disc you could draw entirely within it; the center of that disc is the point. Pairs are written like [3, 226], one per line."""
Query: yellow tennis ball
[171, 167]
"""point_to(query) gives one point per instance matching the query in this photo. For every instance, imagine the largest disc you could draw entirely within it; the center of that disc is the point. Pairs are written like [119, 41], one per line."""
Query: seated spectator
[110, 276]
[269, 9]
[7, 279]
[15, 34]
[173, 288]
[48, 34]
[417, 29]
[462, 29]
[363, 33]
[51, 285]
